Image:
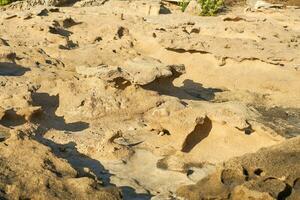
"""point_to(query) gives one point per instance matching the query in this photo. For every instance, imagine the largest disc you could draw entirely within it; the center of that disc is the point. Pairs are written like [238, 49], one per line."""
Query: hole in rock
[258, 171]
[121, 83]
[189, 172]
[166, 132]
[122, 32]
[246, 174]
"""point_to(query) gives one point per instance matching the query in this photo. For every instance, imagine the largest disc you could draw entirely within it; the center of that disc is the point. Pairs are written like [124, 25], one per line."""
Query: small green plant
[5, 2]
[210, 7]
[183, 4]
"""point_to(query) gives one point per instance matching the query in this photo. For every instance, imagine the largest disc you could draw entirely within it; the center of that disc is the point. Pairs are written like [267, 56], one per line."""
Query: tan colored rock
[77, 76]
[185, 127]
[145, 70]
[241, 192]
[258, 4]
[2, 112]
[258, 175]
[86, 3]
[30, 170]
[194, 8]
[139, 71]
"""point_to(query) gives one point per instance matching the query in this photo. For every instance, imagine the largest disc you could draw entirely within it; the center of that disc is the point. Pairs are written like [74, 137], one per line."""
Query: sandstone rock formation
[30, 170]
[136, 100]
[268, 174]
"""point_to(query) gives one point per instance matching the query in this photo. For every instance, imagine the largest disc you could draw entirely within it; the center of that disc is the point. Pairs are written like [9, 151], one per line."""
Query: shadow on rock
[200, 132]
[48, 119]
[11, 118]
[189, 91]
[88, 167]
[164, 10]
[12, 69]
[258, 173]
[84, 165]
[130, 194]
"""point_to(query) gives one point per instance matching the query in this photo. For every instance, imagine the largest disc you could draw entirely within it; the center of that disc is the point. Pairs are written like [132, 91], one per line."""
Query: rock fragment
[193, 8]
[88, 3]
[139, 71]
[186, 127]
[260, 4]
[24, 161]
[266, 174]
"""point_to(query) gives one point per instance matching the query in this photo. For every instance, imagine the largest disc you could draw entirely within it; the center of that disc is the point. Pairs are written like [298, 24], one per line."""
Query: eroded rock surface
[30, 170]
[271, 173]
[135, 99]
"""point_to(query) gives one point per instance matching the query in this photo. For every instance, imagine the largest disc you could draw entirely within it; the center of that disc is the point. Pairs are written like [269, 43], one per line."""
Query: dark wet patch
[285, 121]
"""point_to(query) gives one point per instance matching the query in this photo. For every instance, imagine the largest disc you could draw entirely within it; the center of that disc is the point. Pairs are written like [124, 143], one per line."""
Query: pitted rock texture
[121, 99]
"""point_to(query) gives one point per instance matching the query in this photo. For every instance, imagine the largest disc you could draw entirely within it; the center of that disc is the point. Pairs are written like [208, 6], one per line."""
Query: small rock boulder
[194, 8]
